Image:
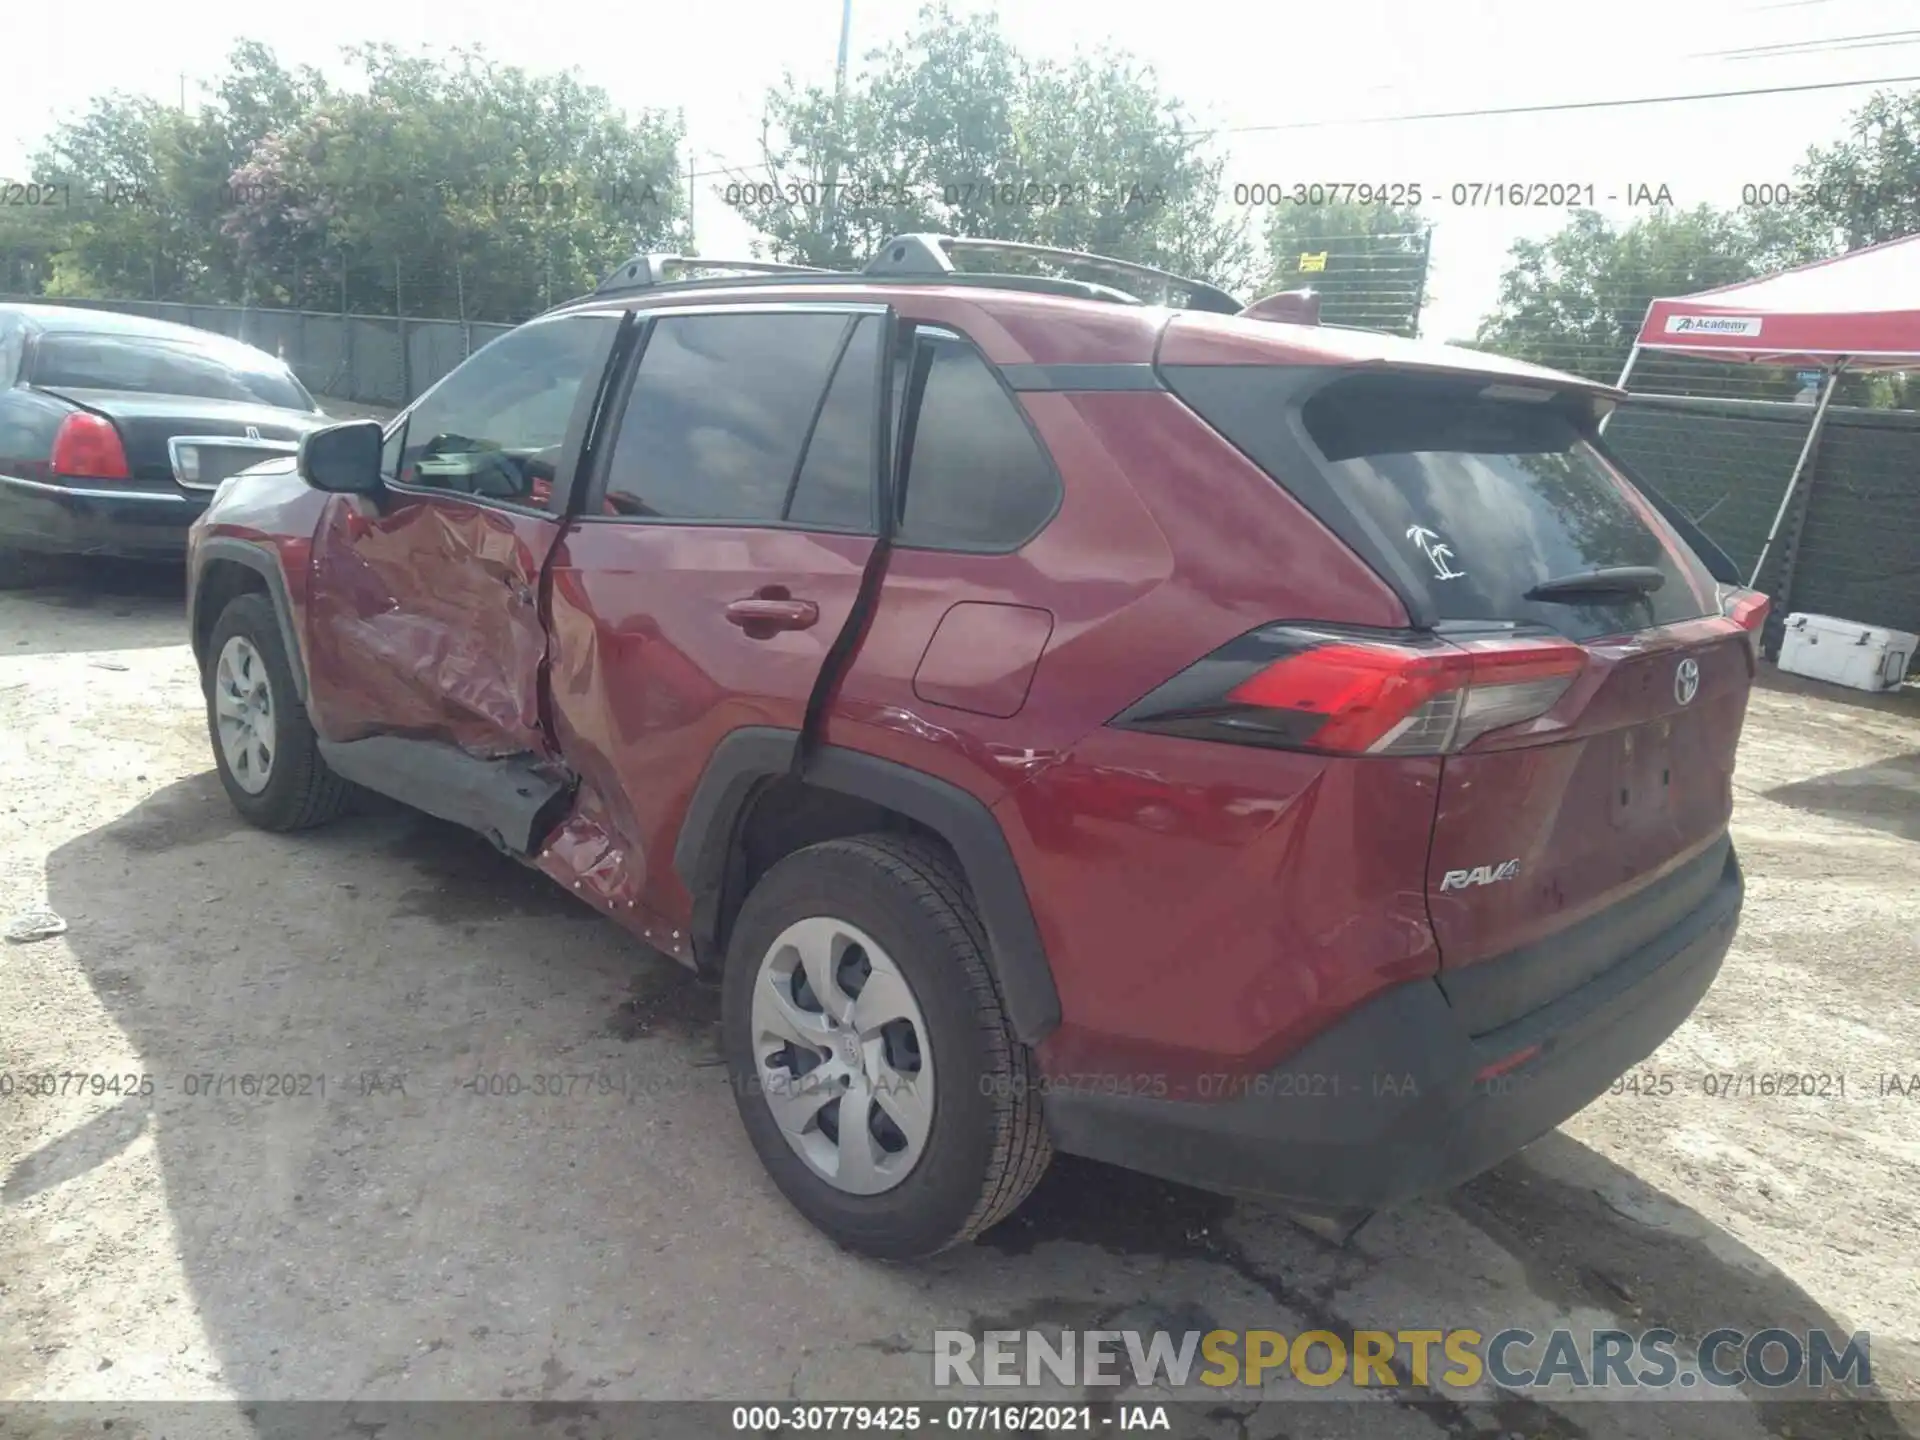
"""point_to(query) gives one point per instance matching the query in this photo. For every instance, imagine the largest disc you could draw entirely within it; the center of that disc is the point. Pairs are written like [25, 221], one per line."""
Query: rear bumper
[1390, 1103]
[74, 520]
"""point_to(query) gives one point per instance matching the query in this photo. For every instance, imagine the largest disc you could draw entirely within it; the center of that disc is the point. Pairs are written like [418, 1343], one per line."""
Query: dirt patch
[464, 882]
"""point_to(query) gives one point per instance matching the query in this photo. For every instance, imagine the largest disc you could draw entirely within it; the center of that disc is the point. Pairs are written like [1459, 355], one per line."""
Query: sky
[1301, 93]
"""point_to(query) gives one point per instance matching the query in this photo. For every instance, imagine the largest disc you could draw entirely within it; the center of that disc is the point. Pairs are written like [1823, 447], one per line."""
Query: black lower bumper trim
[75, 520]
[1399, 1099]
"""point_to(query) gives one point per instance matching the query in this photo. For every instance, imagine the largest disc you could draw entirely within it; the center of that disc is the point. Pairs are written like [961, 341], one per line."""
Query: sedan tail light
[1353, 692]
[87, 447]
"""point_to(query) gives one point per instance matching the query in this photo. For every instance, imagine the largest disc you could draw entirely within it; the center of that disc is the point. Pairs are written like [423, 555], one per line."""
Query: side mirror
[343, 458]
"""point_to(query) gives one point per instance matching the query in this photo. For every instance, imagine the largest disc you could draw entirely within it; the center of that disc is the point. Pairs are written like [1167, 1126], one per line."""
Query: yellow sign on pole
[1311, 263]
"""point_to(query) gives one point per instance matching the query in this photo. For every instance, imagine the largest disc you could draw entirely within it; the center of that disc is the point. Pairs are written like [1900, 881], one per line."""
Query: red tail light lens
[1360, 693]
[87, 447]
[1748, 609]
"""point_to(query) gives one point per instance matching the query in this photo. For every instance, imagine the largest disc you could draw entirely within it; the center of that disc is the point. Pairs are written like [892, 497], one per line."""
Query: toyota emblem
[1686, 681]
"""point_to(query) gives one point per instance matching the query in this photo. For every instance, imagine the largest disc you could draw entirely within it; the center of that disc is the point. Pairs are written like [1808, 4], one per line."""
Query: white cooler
[1865, 657]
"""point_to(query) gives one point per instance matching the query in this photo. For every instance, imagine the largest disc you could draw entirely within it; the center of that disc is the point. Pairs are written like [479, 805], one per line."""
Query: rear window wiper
[1608, 580]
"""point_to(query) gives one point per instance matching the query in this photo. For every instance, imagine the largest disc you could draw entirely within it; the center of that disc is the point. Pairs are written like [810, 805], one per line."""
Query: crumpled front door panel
[425, 621]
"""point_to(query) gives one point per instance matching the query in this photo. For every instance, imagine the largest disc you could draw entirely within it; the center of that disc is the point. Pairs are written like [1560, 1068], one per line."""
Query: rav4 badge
[1479, 875]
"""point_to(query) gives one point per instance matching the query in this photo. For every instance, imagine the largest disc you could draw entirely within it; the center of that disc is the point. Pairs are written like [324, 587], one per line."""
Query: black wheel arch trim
[753, 754]
[266, 564]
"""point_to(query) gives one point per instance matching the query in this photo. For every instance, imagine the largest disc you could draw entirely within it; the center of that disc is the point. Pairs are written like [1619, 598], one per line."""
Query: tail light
[88, 447]
[1353, 692]
[1748, 609]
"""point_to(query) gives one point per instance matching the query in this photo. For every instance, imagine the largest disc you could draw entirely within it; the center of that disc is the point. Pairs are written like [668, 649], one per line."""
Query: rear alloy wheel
[841, 1055]
[872, 1061]
[263, 745]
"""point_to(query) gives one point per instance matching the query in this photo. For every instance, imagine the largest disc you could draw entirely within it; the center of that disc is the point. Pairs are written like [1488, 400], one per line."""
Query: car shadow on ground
[409, 1232]
[1903, 701]
[1884, 795]
[83, 604]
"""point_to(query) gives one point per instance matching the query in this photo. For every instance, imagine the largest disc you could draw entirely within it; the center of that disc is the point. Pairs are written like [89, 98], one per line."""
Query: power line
[1811, 47]
[1563, 106]
[1832, 49]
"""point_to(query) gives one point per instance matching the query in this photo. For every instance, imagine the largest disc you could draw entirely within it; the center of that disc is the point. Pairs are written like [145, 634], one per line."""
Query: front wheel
[263, 744]
[871, 1058]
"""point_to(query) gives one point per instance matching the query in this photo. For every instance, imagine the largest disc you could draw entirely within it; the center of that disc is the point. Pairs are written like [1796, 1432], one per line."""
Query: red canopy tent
[1858, 311]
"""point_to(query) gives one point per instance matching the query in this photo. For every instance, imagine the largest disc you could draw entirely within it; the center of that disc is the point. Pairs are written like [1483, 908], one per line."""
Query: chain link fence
[1848, 546]
[1371, 282]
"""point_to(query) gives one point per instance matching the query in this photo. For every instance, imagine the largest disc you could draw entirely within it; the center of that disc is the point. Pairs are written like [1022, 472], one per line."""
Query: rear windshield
[1481, 497]
[149, 365]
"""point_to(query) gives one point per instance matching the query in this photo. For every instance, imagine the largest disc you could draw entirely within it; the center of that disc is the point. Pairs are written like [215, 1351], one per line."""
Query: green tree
[455, 186]
[1575, 301]
[446, 185]
[147, 188]
[1367, 262]
[1866, 188]
[954, 131]
[115, 235]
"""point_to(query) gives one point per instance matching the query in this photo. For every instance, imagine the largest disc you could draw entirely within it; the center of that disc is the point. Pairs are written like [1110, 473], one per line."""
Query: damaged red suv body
[1279, 758]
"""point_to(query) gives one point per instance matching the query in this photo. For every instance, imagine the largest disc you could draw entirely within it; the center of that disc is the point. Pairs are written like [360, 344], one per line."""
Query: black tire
[987, 1147]
[300, 791]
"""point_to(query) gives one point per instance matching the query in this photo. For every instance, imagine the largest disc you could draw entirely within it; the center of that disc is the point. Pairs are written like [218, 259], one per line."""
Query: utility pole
[839, 116]
[693, 245]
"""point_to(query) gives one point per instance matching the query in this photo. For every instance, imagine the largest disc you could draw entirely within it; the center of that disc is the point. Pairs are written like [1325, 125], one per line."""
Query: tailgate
[1563, 853]
[1584, 796]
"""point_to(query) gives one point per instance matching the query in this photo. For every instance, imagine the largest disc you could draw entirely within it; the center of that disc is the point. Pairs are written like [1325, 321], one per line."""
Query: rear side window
[1479, 497]
[718, 423]
[973, 475]
[150, 365]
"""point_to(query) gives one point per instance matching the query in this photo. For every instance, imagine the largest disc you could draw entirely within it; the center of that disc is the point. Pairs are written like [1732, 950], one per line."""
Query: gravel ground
[402, 1237]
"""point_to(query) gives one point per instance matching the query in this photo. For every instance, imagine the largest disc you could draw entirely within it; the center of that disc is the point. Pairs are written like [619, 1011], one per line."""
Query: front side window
[751, 418]
[496, 427]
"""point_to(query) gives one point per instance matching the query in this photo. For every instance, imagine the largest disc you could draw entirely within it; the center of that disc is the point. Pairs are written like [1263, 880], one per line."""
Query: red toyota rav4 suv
[1280, 758]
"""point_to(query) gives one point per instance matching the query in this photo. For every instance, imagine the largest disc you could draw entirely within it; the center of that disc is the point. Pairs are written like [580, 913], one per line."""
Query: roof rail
[923, 256]
[642, 271]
